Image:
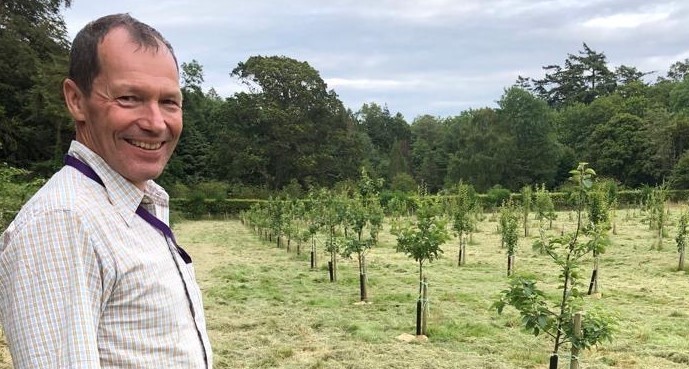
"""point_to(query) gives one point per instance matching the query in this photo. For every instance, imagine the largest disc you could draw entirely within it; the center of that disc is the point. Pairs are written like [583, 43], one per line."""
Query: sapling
[397, 208]
[526, 193]
[658, 216]
[463, 221]
[299, 218]
[681, 238]
[545, 209]
[509, 222]
[610, 188]
[332, 213]
[314, 223]
[538, 314]
[421, 239]
[599, 223]
[363, 213]
[278, 219]
[290, 227]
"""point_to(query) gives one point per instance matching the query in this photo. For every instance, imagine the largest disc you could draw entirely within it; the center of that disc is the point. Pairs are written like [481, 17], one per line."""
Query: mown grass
[267, 309]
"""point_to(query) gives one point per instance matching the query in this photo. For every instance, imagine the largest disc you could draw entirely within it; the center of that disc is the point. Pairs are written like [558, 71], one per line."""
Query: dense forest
[290, 131]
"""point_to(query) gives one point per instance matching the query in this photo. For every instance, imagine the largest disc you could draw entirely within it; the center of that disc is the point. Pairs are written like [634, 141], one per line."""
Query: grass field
[267, 309]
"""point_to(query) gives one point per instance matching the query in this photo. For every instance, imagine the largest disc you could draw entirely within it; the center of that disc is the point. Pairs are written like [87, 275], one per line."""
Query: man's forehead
[123, 36]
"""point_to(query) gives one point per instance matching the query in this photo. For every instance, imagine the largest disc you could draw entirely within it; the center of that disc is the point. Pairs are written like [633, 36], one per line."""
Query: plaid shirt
[87, 283]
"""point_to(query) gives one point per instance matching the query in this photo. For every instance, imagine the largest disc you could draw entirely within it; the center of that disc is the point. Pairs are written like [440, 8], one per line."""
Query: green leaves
[422, 239]
[462, 208]
[565, 251]
[531, 303]
[596, 326]
[509, 222]
[15, 189]
[681, 238]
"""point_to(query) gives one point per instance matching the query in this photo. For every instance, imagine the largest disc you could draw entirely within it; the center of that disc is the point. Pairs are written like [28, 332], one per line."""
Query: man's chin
[139, 179]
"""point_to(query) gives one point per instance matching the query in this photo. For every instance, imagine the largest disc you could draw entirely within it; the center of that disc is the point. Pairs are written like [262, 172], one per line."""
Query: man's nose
[153, 119]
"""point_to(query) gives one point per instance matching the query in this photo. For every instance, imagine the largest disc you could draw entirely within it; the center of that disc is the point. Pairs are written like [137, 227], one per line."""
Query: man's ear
[74, 99]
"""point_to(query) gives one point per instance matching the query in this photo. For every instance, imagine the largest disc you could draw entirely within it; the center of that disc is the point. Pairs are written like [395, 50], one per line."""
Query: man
[90, 274]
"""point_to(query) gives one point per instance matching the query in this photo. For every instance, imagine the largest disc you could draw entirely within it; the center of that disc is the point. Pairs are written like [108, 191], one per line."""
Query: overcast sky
[437, 57]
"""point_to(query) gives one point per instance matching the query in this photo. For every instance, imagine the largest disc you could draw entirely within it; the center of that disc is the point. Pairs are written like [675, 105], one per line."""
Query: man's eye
[171, 103]
[128, 100]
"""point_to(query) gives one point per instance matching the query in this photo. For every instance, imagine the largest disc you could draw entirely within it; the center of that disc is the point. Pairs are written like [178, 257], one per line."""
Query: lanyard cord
[155, 223]
[143, 213]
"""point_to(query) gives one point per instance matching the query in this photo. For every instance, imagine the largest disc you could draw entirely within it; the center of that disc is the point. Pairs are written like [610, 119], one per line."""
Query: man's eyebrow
[128, 87]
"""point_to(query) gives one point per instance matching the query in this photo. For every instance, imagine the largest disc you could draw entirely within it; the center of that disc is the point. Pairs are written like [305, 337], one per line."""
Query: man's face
[133, 117]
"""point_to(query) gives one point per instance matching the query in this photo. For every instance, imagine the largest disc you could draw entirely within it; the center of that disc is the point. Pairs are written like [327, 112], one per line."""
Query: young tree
[300, 218]
[527, 194]
[566, 251]
[599, 223]
[681, 238]
[258, 219]
[364, 213]
[333, 211]
[278, 219]
[463, 222]
[545, 209]
[422, 238]
[657, 216]
[314, 223]
[609, 187]
[509, 222]
[397, 208]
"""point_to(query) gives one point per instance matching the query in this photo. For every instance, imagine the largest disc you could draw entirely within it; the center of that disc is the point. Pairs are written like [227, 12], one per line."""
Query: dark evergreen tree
[582, 78]
[34, 126]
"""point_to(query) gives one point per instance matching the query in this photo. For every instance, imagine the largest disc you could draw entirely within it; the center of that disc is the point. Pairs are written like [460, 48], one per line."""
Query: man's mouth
[146, 145]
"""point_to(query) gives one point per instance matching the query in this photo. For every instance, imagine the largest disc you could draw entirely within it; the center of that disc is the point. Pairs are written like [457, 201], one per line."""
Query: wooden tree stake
[424, 297]
[574, 362]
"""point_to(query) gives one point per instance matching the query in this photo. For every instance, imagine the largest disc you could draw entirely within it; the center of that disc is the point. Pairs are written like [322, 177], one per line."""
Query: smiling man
[90, 273]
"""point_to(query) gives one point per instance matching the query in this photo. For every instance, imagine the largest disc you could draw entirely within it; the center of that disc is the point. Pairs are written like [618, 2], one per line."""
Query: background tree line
[289, 131]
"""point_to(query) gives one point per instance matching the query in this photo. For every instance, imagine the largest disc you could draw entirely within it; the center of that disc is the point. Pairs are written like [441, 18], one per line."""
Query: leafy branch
[537, 313]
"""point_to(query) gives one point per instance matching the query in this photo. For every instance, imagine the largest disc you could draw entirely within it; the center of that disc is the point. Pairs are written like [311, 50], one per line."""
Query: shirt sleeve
[51, 286]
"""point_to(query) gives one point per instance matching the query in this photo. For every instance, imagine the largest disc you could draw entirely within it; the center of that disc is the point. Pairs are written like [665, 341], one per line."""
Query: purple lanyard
[143, 213]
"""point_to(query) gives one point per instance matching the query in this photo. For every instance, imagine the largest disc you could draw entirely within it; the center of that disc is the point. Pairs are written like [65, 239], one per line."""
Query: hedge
[197, 208]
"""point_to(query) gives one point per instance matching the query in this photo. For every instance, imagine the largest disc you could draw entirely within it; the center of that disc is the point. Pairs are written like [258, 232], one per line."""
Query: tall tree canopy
[390, 138]
[475, 141]
[290, 126]
[34, 126]
[534, 155]
[582, 78]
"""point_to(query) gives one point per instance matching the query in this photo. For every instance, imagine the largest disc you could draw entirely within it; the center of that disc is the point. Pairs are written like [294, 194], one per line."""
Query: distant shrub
[293, 189]
[496, 196]
[210, 190]
[178, 189]
[403, 182]
[16, 187]
[242, 191]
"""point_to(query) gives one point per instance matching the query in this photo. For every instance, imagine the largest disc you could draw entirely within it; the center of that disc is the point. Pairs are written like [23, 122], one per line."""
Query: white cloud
[370, 84]
[625, 20]
[661, 63]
